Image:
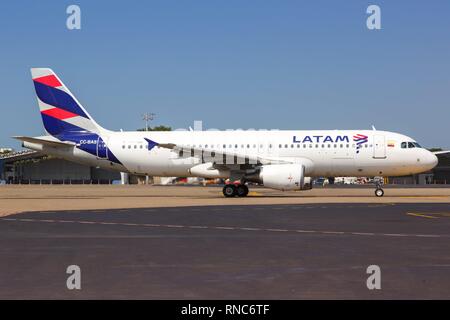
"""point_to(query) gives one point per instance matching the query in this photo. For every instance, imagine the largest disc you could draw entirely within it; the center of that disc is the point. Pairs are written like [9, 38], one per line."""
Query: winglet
[151, 144]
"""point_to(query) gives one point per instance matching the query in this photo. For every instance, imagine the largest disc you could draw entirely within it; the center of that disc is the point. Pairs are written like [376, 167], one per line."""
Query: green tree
[157, 128]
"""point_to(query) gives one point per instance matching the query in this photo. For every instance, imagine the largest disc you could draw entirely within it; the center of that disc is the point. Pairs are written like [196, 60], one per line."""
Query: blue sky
[234, 64]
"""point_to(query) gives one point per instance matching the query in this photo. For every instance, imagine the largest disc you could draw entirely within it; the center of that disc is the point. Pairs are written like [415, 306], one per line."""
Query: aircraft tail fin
[60, 110]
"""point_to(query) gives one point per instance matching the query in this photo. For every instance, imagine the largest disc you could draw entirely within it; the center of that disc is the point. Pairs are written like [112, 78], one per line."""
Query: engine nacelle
[206, 170]
[285, 177]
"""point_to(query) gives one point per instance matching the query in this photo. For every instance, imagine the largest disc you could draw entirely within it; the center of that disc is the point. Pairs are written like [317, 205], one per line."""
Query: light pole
[148, 116]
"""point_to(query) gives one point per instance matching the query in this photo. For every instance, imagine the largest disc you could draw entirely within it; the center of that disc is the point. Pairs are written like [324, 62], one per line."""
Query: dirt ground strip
[25, 198]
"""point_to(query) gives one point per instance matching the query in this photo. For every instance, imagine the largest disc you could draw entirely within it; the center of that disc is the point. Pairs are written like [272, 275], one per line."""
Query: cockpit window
[410, 145]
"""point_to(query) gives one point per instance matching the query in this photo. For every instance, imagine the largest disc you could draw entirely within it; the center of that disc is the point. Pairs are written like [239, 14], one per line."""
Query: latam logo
[320, 139]
[360, 139]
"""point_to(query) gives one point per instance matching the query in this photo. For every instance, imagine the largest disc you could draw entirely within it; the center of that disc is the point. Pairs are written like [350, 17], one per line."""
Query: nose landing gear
[379, 192]
[232, 190]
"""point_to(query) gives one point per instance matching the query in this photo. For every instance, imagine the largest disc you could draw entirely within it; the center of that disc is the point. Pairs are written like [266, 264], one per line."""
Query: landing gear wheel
[229, 190]
[242, 190]
[379, 192]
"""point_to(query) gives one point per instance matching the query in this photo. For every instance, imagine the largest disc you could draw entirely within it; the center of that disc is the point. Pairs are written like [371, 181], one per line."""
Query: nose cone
[431, 160]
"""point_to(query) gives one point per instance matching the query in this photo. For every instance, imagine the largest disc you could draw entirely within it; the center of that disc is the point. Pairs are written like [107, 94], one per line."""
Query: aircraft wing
[231, 157]
[438, 153]
[44, 141]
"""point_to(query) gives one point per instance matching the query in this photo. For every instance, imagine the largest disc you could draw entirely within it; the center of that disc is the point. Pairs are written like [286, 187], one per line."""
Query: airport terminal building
[31, 167]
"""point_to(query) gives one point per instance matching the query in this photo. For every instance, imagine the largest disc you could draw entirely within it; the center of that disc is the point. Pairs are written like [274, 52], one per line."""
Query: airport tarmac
[26, 198]
[229, 252]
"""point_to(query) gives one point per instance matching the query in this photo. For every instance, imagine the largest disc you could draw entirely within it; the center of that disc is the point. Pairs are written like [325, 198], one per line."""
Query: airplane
[278, 159]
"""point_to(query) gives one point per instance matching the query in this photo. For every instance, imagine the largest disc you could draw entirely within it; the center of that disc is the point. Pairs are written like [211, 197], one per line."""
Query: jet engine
[285, 177]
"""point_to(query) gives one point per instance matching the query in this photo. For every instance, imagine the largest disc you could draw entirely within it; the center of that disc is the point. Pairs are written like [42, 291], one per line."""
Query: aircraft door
[102, 149]
[379, 147]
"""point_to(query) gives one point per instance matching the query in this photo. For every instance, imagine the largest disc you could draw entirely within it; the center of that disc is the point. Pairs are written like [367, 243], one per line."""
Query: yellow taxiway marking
[421, 215]
[254, 194]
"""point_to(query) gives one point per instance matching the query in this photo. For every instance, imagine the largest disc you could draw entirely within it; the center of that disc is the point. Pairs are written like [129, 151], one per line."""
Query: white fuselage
[328, 152]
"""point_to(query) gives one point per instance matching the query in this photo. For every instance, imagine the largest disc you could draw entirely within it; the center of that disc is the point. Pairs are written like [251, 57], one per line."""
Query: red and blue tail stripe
[59, 99]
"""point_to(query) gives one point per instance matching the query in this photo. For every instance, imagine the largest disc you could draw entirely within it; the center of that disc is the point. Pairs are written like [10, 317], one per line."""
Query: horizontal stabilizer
[52, 143]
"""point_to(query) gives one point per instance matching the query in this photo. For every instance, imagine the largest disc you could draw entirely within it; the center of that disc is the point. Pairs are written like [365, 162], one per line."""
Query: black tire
[379, 192]
[229, 191]
[242, 190]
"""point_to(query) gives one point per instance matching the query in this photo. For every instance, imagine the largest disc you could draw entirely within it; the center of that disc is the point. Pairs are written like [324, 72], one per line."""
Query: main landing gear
[233, 190]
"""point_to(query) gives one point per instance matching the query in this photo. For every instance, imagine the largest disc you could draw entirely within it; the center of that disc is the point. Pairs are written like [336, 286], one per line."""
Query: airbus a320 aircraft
[281, 159]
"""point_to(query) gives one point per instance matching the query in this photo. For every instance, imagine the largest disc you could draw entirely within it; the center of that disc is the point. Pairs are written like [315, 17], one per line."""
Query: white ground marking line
[231, 228]
[333, 232]
[276, 230]
[363, 233]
